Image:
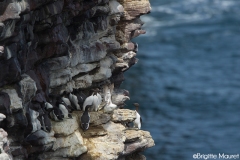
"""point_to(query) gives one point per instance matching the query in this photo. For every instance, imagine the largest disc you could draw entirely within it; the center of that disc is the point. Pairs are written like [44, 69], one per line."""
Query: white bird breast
[137, 121]
[74, 100]
[64, 110]
[48, 105]
[67, 101]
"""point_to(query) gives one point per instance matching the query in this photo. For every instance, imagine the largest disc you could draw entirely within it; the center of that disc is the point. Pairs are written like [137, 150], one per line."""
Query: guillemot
[85, 118]
[94, 100]
[137, 122]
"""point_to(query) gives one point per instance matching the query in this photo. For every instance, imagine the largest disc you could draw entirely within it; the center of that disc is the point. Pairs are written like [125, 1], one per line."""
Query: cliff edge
[51, 48]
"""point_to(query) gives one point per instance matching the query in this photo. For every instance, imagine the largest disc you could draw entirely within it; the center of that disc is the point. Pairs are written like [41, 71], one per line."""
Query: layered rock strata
[51, 46]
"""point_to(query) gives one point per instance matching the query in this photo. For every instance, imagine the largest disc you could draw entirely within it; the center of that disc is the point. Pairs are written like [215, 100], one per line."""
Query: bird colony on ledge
[61, 66]
[41, 111]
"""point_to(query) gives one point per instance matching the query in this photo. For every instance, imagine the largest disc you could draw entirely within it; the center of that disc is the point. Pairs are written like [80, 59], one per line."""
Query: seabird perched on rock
[44, 118]
[109, 107]
[85, 118]
[65, 98]
[45, 123]
[64, 110]
[80, 96]
[119, 97]
[135, 47]
[47, 106]
[94, 100]
[137, 122]
[74, 101]
[56, 114]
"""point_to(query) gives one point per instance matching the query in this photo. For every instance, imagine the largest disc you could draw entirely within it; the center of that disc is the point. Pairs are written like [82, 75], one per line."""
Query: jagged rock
[83, 81]
[16, 102]
[66, 127]
[11, 11]
[4, 146]
[73, 139]
[83, 68]
[134, 9]
[60, 77]
[86, 53]
[98, 118]
[28, 88]
[58, 63]
[94, 131]
[123, 115]
[115, 7]
[68, 87]
[5, 103]
[104, 72]
[131, 135]
[71, 152]
[48, 47]
[56, 34]
[10, 71]
[135, 156]
[108, 146]
[143, 141]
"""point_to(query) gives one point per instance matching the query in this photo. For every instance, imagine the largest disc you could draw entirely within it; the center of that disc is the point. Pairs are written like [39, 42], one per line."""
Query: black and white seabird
[65, 99]
[137, 122]
[45, 122]
[56, 114]
[85, 118]
[47, 106]
[80, 96]
[74, 101]
[63, 108]
[94, 100]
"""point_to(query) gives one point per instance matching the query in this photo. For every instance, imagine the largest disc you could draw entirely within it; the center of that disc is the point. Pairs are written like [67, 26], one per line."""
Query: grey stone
[28, 88]
[60, 77]
[16, 101]
[83, 68]
[123, 115]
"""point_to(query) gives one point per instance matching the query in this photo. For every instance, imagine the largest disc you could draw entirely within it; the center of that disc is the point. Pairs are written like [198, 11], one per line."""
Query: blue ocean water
[187, 79]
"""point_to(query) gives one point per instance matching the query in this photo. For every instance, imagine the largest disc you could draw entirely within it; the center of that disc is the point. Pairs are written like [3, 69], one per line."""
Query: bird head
[136, 105]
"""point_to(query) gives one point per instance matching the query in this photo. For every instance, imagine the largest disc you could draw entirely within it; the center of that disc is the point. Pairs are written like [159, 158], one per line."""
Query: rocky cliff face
[51, 46]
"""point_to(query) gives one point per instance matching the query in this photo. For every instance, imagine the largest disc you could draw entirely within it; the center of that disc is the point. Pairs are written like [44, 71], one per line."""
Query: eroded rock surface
[51, 46]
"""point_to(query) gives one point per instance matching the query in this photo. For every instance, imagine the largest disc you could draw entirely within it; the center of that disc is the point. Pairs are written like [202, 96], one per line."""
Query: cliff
[52, 47]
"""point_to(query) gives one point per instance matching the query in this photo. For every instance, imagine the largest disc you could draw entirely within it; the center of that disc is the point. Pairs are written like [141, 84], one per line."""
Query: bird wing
[88, 101]
[66, 100]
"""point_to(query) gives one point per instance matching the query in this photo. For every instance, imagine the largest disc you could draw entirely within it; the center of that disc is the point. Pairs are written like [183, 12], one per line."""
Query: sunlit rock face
[49, 48]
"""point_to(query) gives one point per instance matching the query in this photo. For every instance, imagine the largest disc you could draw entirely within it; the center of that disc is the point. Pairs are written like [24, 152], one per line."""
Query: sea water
[187, 80]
